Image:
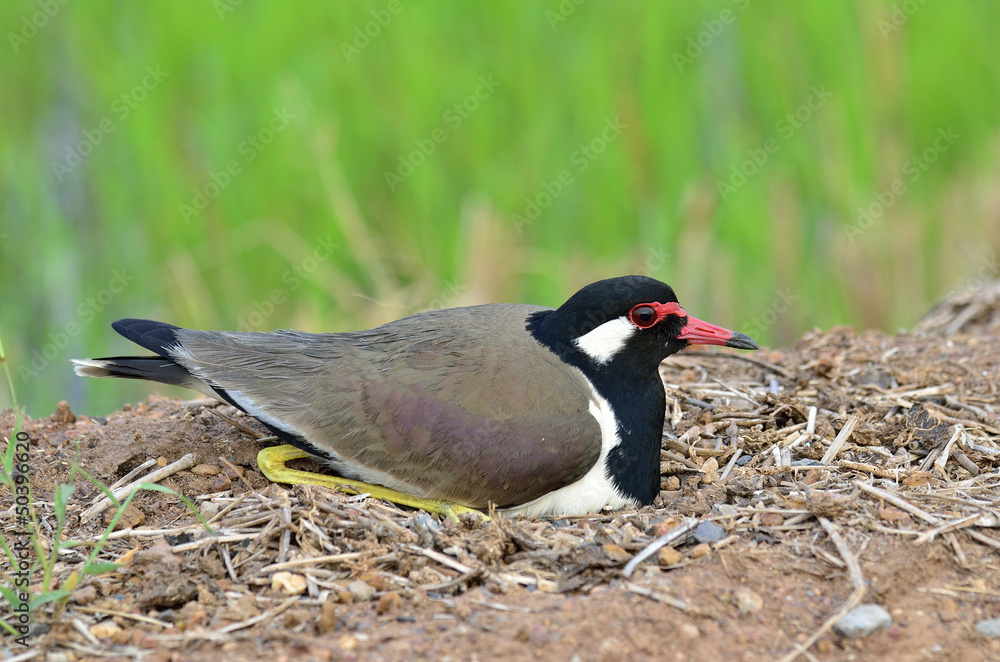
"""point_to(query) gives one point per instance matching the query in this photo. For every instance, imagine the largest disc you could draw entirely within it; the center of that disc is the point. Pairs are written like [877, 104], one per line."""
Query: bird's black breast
[632, 387]
[634, 464]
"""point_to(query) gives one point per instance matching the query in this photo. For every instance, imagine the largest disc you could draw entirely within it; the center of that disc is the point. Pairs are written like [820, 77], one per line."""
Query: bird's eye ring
[643, 316]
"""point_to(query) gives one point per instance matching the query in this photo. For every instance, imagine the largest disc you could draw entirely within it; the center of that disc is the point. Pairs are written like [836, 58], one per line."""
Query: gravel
[990, 628]
[863, 621]
[709, 532]
[361, 591]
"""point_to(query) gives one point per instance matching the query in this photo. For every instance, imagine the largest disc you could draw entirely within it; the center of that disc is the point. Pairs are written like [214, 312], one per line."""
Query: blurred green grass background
[361, 161]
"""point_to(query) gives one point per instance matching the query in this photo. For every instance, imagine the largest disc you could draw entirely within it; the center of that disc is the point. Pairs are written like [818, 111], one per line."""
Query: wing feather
[482, 413]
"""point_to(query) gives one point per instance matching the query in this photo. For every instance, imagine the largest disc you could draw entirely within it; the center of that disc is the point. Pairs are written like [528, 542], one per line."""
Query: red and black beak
[698, 332]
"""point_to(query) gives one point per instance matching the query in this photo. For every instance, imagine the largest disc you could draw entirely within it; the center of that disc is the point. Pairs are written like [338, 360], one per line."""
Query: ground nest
[796, 485]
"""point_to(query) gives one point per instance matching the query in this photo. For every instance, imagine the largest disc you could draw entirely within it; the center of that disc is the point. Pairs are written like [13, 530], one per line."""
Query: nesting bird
[538, 411]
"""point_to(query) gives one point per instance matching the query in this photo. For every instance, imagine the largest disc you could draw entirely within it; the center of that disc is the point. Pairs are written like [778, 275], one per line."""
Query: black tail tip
[155, 336]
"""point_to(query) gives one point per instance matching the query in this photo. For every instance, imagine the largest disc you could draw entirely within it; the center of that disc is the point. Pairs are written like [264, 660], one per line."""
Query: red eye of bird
[643, 316]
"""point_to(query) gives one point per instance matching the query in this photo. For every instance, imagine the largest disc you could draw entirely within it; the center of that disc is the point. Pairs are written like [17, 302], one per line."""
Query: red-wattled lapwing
[538, 411]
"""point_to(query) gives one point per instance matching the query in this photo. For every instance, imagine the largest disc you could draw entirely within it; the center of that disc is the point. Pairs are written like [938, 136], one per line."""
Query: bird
[533, 410]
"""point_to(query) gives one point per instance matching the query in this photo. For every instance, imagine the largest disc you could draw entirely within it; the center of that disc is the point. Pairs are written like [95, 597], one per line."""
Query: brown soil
[555, 589]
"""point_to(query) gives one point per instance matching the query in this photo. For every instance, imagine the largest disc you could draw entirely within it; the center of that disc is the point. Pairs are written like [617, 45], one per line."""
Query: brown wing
[459, 404]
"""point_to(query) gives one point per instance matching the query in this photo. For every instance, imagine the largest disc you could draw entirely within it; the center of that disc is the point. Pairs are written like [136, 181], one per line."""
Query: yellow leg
[272, 464]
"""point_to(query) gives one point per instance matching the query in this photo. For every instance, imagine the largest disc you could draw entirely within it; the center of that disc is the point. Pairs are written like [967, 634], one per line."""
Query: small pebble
[295, 617]
[62, 414]
[709, 531]
[131, 518]
[863, 620]
[894, 516]
[725, 510]
[771, 519]
[990, 628]
[426, 522]
[814, 476]
[688, 631]
[233, 472]
[328, 618]
[288, 582]
[539, 635]
[375, 579]
[668, 556]
[672, 484]
[85, 595]
[747, 600]
[949, 610]
[196, 617]
[105, 630]
[205, 470]
[699, 551]
[388, 602]
[361, 591]
[615, 553]
[664, 526]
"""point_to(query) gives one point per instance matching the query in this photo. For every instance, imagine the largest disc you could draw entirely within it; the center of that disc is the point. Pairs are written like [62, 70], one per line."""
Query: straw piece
[185, 462]
[838, 443]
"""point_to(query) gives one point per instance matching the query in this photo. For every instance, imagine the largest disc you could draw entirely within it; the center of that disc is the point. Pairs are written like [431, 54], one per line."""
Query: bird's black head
[631, 320]
[617, 331]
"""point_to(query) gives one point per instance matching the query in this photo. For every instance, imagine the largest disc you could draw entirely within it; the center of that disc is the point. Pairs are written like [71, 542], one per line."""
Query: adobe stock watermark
[563, 11]
[785, 128]
[453, 119]
[712, 29]
[449, 296]
[898, 16]
[34, 22]
[20, 549]
[783, 301]
[292, 278]
[579, 161]
[86, 312]
[248, 150]
[984, 275]
[364, 34]
[656, 259]
[121, 108]
[912, 170]
[599, 314]
[223, 7]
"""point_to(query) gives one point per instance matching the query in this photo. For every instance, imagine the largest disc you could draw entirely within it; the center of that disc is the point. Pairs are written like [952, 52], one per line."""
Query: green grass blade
[61, 499]
[99, 568]
[6, 371]
[101, 486]
[47, 597]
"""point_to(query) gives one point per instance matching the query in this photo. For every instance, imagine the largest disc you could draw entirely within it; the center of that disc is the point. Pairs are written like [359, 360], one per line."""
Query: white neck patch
[605, 341]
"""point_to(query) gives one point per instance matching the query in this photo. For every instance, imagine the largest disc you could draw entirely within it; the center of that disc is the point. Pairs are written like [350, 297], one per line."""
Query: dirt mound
[849, 468]
[976, 309]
